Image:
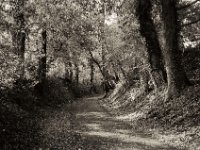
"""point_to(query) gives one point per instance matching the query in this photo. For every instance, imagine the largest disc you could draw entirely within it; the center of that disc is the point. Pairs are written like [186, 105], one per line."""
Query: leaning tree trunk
[147, 30]
[176, 76]
[97, 63]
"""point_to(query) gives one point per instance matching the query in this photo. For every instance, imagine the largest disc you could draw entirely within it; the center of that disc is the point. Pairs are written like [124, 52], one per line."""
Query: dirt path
[91, 128]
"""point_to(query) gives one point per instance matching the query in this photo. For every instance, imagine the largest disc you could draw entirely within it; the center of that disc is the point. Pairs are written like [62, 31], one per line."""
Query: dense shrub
[56, 92]
[82, 90]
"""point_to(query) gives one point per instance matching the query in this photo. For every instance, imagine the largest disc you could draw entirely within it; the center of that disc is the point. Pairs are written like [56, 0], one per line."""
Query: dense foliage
[54, 51]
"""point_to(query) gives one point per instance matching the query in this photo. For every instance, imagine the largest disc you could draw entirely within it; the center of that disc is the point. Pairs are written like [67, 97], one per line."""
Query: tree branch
[190, 23]
[188, 5]
[97, 63]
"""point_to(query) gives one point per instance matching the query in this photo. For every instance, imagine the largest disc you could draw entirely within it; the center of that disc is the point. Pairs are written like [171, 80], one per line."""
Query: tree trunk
[71, 71]
[22, 43]
[147, 30]
[19, 36]
[40, 87]
[91, 72]
[43, 59]
[176, 76]
[97, 63]
[144, 79]
[122, 70]
[115, 70]
[77, 73]
[67, 73]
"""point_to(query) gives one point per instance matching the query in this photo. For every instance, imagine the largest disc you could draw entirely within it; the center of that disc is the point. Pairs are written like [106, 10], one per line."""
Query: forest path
[91, 128]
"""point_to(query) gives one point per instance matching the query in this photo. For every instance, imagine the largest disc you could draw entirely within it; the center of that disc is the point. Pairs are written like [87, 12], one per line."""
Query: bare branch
[190, 23]
[97, 63]
[188, 5]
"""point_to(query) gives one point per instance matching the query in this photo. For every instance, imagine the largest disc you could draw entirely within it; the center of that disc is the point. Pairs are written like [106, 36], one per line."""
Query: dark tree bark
[69, 71]
[102, 37]
[176, 76]
[43, 59]
[19, 36]
[40, 87]
[104, 70]
[22, 43]
[147, 30]
[116, 75]
[91, 72]
[77, 73]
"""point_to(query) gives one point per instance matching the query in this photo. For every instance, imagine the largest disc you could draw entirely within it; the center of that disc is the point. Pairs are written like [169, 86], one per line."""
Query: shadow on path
[96, 129]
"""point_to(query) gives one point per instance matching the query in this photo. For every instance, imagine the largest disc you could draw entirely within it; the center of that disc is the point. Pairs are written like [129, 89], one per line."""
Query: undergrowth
[22, 112]
[175, 121]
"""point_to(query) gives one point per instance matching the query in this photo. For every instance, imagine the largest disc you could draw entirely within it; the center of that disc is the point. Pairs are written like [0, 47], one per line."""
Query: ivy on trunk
[148, 31]
[176, 76]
